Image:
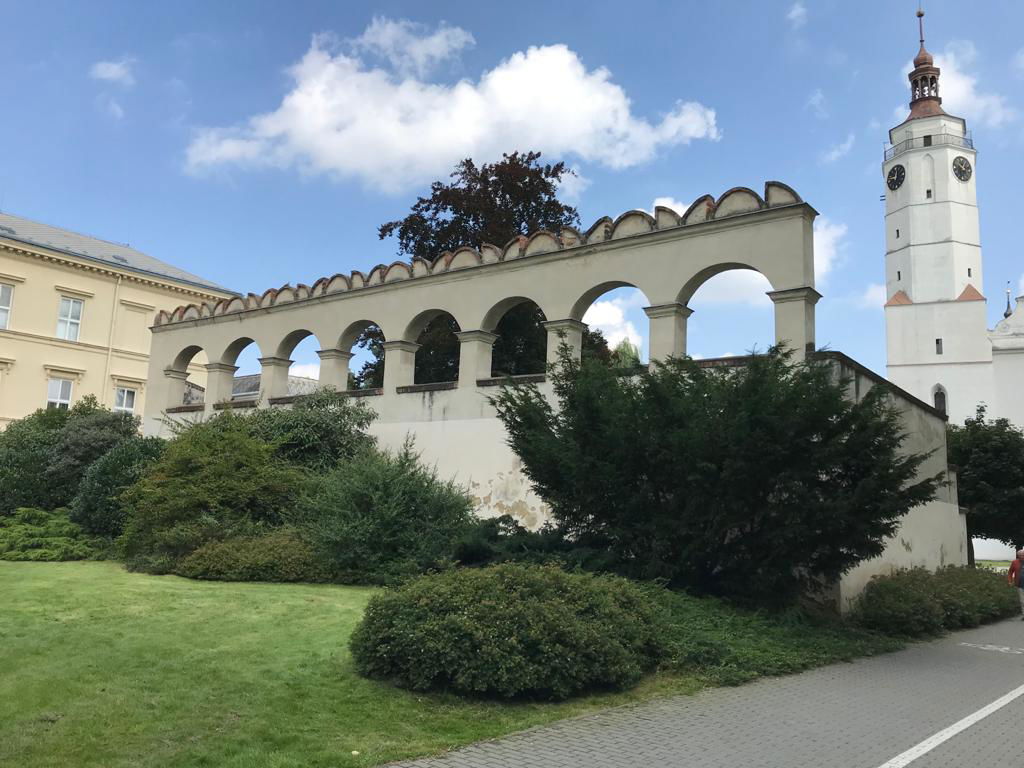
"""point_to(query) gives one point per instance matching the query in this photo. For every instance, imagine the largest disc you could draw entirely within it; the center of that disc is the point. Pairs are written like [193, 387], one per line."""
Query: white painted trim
[77, 293]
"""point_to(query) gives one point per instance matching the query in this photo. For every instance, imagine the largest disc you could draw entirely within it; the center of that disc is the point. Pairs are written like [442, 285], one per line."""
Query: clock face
[896, 176]
[962, 168]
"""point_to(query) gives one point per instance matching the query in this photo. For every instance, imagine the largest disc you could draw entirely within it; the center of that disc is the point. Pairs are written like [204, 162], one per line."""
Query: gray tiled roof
[114, 254]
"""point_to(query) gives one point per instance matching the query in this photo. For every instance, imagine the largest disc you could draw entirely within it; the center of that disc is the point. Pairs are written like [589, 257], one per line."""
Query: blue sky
[262, 143]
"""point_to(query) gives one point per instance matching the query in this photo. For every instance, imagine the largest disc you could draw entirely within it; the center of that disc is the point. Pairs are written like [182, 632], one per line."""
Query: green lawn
[101, 667]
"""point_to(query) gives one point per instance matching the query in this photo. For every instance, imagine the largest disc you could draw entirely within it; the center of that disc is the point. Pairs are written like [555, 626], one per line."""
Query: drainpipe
[105, 391]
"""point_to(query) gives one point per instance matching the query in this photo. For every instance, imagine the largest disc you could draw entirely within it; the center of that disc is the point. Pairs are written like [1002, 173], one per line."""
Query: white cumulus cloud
[838, 151]
[959, 89]
[797, 15]
[119, 72]
[670, 202]
[392, 130]
[609, 316]
[409, 47]
[873, 297]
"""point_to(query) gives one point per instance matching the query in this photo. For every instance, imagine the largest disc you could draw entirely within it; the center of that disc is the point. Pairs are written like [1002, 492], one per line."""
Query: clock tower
[936, 331]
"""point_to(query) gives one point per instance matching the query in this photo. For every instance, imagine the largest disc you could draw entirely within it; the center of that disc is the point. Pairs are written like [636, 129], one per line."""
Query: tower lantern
[924, 81]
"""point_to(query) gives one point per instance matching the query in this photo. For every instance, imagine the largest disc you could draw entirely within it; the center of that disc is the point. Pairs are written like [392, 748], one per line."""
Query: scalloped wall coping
[734, 202]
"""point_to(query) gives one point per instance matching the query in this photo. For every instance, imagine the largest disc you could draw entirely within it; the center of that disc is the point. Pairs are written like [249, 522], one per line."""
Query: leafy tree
[381, 517]
[89, 432]
[97, 506]
[44, 455]
[626, 355]
[215, 481]
[752, 482]
[317, 432]
[491, 203]
[989, 457]
[25, 449]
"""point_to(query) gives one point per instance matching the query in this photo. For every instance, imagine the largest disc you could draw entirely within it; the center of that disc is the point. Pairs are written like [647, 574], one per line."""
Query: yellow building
[75, 313]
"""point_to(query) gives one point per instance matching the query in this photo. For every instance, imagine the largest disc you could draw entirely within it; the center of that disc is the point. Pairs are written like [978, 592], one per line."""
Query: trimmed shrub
[510, 630]
[97, 506]
[381, 517]
[34, 534]
[317, 432]
[917, 603]
[89, 432]
[25, 448]
[214, 481]
[280, 555]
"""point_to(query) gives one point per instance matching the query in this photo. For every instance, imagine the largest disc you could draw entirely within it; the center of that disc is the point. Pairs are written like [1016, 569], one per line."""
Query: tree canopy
[491, 203]
[759, 481]
[989, 457]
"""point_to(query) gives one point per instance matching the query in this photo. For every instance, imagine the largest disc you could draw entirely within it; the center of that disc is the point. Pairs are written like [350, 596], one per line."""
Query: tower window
[899, 275]
[928, 194]
[968, 271]
[897, 234]
[939, 398]
[927, 141]
[938, 346]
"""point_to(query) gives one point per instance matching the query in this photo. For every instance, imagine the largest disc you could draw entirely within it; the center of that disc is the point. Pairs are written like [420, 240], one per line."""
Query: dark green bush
[757, 482]
[279, 555]
[317, 432]
[34, 534]
[97, 506]
[90, 431]
[382, 517]
[917, 603]
[214, 481]
[25, 449]
[510, 630]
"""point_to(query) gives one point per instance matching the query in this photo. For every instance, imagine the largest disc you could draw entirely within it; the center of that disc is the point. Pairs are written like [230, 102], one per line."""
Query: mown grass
[101, 667]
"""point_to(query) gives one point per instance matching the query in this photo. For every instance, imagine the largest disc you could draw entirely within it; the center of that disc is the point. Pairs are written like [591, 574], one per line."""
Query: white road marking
[999, 648]
[946, 734]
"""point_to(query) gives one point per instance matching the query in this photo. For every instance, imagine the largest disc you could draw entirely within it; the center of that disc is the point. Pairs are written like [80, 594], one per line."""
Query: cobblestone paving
[857, 715]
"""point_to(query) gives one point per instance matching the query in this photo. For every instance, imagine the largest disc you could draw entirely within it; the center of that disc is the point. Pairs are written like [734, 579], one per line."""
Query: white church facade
[939, 345]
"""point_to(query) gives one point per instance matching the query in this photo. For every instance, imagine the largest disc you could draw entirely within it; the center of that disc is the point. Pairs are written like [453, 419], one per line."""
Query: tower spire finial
[1009, 309]
[920, 22]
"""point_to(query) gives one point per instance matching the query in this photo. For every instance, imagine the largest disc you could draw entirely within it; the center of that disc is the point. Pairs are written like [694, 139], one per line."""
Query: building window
[968, 271]
[938, 346]
[897, 234]
[58, 393]
[69, 321]
[124, 400]
[6, 299]
[928, 194]
[927, 141]
[899, 275]
[939, 398]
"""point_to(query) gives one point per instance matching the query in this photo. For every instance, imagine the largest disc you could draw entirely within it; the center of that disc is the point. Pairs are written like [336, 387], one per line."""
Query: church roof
[898, 299]
[970, 293]
[93, 248]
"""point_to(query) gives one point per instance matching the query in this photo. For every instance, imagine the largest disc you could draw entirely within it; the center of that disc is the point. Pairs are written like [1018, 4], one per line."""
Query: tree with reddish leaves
[491, 203]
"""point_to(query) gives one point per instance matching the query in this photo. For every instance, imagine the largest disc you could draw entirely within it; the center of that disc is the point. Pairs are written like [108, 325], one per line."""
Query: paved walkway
[868, 714]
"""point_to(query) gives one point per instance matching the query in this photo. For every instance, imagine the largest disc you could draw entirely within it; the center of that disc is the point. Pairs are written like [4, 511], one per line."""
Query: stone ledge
[283, 399]
[435, 387]
[193, 408]
[372, 392]
[230, 405]
[525, 378]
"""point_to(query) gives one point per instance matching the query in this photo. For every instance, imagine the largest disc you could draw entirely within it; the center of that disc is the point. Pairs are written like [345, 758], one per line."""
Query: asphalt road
[958, 702]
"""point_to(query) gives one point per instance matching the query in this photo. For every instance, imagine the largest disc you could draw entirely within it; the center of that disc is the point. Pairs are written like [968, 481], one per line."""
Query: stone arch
[589, 297]
[288, 344]
[353, 331]
[694, 283]
[435, 346]
[231, 352]
[184, 357]
[520, 339]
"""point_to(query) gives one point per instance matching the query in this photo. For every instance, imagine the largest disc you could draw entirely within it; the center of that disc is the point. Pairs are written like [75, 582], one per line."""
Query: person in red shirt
[1013, 578]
